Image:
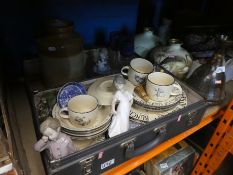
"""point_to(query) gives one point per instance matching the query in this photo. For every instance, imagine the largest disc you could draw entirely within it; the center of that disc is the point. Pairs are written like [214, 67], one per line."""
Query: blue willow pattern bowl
[69, 91]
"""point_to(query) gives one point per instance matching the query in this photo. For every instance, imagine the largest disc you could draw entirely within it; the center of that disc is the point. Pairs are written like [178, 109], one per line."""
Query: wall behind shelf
[21, 23]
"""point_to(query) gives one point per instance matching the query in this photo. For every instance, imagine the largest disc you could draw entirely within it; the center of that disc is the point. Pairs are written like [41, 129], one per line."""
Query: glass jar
[61, 53]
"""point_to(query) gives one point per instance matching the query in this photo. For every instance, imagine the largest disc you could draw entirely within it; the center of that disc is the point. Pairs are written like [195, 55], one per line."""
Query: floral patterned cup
[160, 86]
[81, 109]
[138, 70]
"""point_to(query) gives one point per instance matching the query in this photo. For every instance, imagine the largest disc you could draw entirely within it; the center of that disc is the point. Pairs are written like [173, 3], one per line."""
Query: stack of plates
[143, 111]
[157, 105]
[94, 129]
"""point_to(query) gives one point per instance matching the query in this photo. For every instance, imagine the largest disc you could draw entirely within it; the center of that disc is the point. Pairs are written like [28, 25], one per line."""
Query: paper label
[52, 49]
[179, 118]
[163, 165]
[220, 69]
[107, 164]
[100, 155]
[218, 82]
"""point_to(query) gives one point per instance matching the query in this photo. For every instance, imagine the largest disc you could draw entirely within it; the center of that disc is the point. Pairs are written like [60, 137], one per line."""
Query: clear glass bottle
[209, 79]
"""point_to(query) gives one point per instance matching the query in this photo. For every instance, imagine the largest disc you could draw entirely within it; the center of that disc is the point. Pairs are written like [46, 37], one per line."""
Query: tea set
[86, 113]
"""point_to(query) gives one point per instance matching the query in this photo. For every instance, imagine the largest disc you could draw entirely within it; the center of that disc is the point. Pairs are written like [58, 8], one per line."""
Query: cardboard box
[176, 160]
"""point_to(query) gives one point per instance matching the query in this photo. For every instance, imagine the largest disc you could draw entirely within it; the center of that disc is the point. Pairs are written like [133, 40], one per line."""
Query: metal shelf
[139, 160]
[220, 144]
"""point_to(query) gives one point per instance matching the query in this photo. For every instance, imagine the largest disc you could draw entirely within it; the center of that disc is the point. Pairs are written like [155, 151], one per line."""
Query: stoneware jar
[174, 58]
[61, 53]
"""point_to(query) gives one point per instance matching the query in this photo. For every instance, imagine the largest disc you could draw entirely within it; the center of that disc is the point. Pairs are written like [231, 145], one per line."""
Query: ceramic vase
[174, 58]
[144, 42]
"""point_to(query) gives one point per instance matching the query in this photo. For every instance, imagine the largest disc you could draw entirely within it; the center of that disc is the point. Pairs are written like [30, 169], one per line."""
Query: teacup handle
[177, 90]
[124, 69]
[99, 107]
[62, 114]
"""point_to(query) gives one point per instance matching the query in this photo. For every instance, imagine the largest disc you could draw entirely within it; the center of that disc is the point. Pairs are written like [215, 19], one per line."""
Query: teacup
[81, 109]
[160, 86]
[138, 70]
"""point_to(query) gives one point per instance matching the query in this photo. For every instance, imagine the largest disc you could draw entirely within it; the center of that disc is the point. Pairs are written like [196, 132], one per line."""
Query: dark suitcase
[107, 154]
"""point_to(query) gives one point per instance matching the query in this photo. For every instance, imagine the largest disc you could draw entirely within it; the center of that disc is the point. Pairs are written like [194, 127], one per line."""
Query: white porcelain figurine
[102, 63]
[59, 144]
[121, 105]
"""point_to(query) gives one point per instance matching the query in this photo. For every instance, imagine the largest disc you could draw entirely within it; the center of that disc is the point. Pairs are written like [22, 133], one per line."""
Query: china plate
[103, 89]
[102, 119]
[87, 136]
[143, 115]
[68, 91]
[157, 105]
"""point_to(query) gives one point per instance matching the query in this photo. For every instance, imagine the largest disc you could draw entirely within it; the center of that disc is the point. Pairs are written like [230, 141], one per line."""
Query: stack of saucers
[145, 111]
[94, 129]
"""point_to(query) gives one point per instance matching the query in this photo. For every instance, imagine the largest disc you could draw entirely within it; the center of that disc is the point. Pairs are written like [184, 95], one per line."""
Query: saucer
[157, 105]
[86, 136]
[102, 119]
[103, 89]
[68, 91]
[143, 115]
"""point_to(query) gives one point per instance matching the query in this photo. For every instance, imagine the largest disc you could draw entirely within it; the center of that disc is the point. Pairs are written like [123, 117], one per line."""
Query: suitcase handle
[159, 135]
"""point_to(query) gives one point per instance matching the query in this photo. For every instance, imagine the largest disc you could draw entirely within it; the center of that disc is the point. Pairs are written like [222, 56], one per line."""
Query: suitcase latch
[129, 147]
[86, 165]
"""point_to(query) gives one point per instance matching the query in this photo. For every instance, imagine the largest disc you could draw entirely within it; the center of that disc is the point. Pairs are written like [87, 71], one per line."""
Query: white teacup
[81, 109]
[160, 86]
[138, 70]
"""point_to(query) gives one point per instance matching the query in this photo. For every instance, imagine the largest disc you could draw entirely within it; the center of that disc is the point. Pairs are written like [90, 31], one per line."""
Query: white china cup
[138, 70]
[81, 109]
[160, 86]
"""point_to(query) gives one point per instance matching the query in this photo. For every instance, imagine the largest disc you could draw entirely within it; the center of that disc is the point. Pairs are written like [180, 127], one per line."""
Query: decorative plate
[103, 89]
[68, 91]
[143, 115]
[103, 119]
[157, 105]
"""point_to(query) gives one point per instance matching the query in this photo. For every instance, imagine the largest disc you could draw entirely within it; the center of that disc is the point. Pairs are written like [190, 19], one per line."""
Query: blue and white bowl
[69, 91]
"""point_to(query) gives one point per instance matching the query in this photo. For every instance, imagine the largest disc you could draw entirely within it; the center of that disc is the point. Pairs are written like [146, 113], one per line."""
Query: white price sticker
[163, 165]
[107, 164]
[52, 49]
[220, 69]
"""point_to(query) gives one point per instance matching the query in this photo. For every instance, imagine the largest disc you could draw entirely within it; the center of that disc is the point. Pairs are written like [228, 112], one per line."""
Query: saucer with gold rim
[157, 105]
[143, 115]
[103, 118]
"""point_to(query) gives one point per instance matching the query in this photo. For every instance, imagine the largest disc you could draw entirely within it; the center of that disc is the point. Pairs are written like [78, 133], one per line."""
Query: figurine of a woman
[121, 105]
[59, 144]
